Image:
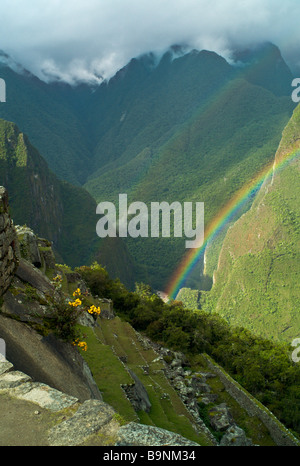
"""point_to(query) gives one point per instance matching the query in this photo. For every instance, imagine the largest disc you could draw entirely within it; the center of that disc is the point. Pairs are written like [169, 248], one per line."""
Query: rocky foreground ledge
[71, 423]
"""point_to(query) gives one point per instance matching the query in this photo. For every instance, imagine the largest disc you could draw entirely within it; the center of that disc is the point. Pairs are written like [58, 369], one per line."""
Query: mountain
[44, 113]
[264, 66]
[204, 152]
[187, 127]
[55, 209]
[257, 279]
[42, 364]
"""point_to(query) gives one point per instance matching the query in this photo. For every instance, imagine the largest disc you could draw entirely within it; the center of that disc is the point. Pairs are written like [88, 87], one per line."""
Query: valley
[189, 128]
[211, 362]
[82, 368]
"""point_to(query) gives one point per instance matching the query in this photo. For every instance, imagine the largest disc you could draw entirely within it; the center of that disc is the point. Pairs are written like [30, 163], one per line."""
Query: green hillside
[261, 366]
[55, 209]
[186, 127]
[257, 281]
[192, 168]
[43, 112]
[194, 129]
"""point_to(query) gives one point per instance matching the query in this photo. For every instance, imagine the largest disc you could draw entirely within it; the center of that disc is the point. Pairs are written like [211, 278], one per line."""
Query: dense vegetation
[186, 128]
[44, 112]
[203, 152]
[257, 283]
[53, 208]
[263, 367]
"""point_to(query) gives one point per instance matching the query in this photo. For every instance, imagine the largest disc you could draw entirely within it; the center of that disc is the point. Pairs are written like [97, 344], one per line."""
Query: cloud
[87, 39]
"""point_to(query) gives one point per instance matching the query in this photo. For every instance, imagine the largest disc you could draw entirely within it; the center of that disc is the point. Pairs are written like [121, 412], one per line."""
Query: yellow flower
[57, 281]
[75, 303]
[80, 344]
[94, 310]
[77, 292]
[58, 278]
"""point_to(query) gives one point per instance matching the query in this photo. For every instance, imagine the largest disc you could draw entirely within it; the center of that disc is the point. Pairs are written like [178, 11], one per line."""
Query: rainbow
[220, 221]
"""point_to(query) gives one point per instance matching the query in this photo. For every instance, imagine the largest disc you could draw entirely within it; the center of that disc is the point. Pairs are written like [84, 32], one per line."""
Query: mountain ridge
[151, 132]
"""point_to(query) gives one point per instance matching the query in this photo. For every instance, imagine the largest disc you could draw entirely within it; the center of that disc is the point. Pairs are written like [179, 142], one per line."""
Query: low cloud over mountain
[90, 40]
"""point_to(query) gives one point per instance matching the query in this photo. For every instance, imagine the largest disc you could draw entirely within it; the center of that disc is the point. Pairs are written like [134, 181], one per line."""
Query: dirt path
[23, 423]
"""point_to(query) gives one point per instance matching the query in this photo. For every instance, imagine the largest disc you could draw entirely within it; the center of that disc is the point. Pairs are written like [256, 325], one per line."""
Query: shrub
[62, 320]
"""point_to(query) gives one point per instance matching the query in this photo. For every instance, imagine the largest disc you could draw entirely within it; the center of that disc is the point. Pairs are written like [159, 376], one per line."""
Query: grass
[114, 338]
[109, 374]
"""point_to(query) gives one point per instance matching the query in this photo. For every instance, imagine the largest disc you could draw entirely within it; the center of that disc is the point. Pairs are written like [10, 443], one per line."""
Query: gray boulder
[34, 277]
[235, 437]
[29, 247]
[25, 304]
[220, 417]
[92, 417]
[48, 360]
[134, 434]
[137, 394]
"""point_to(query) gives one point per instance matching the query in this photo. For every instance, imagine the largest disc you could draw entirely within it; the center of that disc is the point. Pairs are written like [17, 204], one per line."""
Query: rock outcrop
[92, 417]
[48, 360]
[92, 422]
[137, 394]
[27, 295]
[8, 244]
[44, 372]
[235, 437]
[134, 434]
[29, 245]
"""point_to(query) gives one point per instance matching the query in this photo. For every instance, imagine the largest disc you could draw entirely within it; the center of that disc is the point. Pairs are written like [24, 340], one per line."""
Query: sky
[89, 39]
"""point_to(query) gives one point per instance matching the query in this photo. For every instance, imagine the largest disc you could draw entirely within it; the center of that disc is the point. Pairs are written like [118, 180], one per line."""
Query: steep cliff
[62, 213]
[9, 253]
[257, 283]
[43, 368]
[56, 210]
